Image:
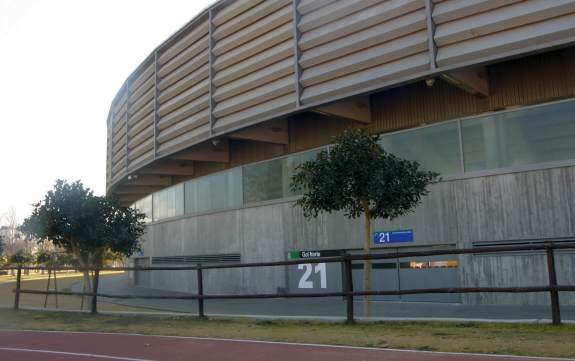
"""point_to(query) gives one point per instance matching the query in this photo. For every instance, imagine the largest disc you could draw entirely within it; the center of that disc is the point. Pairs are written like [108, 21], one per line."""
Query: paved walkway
[64, 346]
[327, 308]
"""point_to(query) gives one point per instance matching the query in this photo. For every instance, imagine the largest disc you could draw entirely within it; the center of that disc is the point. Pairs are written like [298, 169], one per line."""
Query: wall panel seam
[127, 121]
[297, 53]
[431, 34]
[155, 124]
[461, 154]
[211, 59]
[109, 149]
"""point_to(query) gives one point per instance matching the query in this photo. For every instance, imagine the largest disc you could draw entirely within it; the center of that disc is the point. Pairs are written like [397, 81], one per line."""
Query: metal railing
[347, 282]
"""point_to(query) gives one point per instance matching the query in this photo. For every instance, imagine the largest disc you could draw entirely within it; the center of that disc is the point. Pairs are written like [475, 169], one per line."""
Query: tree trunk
[97, 262]
[87, 260]
[84, 264]
[366, 263]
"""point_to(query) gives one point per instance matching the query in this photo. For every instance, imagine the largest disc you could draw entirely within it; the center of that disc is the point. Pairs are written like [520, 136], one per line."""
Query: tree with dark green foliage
[62, 259]
[358, 177]
[1, 246]
[43, 258]
[20, 258]
[85, 225]
[113, 258]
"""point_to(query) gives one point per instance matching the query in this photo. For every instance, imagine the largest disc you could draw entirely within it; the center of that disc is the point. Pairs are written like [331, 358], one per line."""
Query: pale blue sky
[61, 63]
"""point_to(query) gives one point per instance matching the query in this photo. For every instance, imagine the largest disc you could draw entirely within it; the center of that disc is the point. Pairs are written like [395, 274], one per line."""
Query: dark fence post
[17, 290]
[553, 292]
[95, 291]
[348, 279]
[200, 291]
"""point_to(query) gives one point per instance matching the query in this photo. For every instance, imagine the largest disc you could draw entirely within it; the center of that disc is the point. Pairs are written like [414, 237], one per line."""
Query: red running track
[64, 346]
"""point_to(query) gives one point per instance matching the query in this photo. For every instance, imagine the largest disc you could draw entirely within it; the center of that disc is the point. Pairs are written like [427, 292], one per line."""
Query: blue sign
[400, 236]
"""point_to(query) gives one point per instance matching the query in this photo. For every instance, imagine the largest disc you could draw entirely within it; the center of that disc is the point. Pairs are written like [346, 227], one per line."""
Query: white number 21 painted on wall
[304, 281]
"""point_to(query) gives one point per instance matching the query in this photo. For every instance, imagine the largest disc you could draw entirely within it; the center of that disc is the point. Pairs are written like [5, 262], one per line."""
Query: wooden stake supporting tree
[48, 287]
[358, 177]
[49, 260]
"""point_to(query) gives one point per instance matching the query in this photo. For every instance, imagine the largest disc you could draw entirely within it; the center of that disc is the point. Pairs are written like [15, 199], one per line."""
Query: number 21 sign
[305, 282]
[399, 236]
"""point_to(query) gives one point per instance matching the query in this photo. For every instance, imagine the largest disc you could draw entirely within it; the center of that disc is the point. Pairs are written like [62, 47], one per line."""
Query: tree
[43, 258]
[63, 259]
[20, 258]
[113, 258]
[85, 225]
[11, 234]
[3, 259]
[357, 176]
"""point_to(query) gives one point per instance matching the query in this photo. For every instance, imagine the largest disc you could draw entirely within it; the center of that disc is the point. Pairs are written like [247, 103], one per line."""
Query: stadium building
[204, 136]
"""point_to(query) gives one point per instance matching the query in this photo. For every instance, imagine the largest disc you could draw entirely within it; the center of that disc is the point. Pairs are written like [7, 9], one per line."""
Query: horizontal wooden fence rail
[347, 283]
[355, 257]
[527, 289]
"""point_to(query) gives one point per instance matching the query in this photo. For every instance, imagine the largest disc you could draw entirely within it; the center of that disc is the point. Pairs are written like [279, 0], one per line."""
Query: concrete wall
[508, 207]
[528, 205]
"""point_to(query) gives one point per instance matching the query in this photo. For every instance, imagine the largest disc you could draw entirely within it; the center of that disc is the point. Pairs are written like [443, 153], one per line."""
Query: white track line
[300, 344]
[72, 354]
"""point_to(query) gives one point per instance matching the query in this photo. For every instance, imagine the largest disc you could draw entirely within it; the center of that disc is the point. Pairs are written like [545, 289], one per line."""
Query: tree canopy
[357, 176]
[85, 225]
[20, 258]
[3, 258]
[43, 258]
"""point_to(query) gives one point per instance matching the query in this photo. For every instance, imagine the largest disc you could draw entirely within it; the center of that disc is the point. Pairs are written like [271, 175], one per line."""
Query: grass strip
[492, 338]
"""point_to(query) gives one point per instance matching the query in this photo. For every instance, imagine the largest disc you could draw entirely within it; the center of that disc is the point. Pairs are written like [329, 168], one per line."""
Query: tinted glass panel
[214, 192]
[144, 205]
[271, 179]
[435, 148]
[290, 164]
[169, 202]
[528, 136]
[263, 181]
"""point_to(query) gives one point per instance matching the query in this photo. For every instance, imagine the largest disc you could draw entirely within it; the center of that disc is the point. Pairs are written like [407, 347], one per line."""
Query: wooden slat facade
[235, 65]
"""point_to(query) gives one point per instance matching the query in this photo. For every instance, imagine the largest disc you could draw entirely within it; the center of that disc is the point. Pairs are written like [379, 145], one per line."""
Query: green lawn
[515, 339]
[39, 282]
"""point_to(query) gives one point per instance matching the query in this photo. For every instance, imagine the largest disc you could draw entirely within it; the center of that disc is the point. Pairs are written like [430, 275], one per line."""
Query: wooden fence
[347, 283]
